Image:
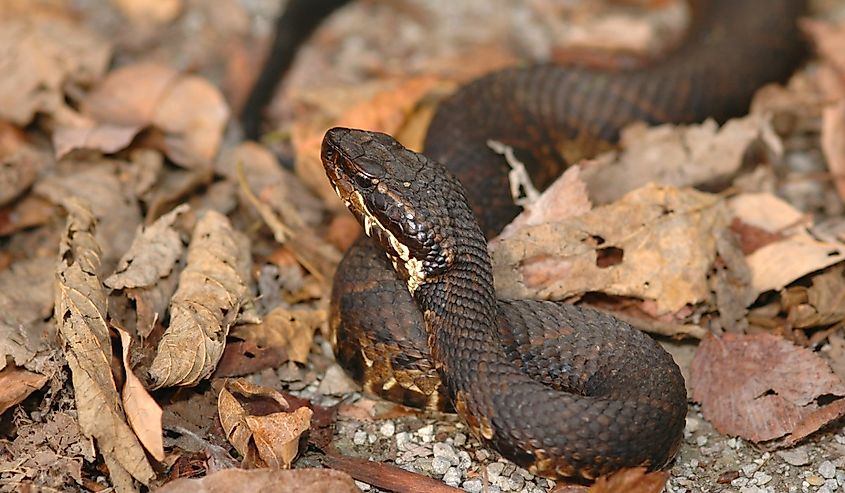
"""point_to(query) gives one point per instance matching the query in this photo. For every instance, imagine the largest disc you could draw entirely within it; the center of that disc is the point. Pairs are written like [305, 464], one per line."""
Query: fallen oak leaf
[212, 289]
[26, 301]
[44, 51]
[188, 109]
[80, 309]
[760, 387]
[266, 481]
[16, 384]
[271, 440]
[685, 155]
[657, 243]
[631, 480]
[142, 411]
[147, 272]
[291, 330]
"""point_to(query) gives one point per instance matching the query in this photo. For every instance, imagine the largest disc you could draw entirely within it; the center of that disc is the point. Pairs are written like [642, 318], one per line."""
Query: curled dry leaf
[291, 330]
[116, 209]
[212, 289]
[266, 481]
[80, 310]
[18, 172]
[794, 254]
[188, 109]
[656, 243]
[142, 411]
[44, 50]
[385, 111]
[147, 272]
[26, 301]
[822, 303]
[677, 155]
[833, 143]
[271, 440]
[16, 384]
[566, 197]
[762, 387]
[632, 480]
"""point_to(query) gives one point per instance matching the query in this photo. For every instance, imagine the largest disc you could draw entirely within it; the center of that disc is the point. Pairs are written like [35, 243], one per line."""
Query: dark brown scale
[562, 390]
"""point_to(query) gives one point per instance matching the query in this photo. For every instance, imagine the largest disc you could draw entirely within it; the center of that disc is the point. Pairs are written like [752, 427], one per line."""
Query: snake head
[398, 197]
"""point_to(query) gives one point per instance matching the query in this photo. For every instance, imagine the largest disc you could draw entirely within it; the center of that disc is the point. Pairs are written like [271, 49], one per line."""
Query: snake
[563, 390]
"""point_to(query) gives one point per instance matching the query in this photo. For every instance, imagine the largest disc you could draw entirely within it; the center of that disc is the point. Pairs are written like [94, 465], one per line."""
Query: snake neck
[460, 311]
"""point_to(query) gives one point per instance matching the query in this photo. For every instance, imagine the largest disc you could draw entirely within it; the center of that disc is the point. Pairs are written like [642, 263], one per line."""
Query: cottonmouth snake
[563, 390]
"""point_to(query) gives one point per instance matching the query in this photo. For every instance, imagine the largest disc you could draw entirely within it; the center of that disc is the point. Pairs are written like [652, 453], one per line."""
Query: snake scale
[565, 391]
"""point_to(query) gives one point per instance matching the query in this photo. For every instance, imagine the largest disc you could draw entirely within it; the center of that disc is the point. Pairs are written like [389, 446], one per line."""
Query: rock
[439, 466]
[795, 457]
[815, 480]
[446, 452]
[827, 470]
[360, 437]
[472, 485]
[452, 477]
[388, 429]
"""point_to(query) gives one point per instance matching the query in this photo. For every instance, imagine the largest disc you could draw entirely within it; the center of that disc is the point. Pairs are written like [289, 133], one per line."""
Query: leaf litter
[185, 256]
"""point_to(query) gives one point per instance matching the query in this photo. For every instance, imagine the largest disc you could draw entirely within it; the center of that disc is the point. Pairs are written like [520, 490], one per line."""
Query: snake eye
[368, 167]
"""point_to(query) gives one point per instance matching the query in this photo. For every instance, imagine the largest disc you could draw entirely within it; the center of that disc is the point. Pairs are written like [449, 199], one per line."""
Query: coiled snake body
[562, 390]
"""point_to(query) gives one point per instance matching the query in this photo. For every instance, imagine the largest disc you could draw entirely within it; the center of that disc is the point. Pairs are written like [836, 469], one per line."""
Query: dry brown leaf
[148, 272]
[266, 481]
[153, 254]
[245, 357]
[677, 155]
[633, 480]
[142, 411]
[566, 197]
[16, 384]
[760, 387]
[656, 243]
[291, 330]
[43, 52]
[385, 111]
[822, 303]
[144, 11]
[28, 212]
[794, 254]
[837, 354]
[18, 172]
[81, 314]
[26, 301]
[106, 138]
[212, 289]
[190, 111]
[271, 440]
[833, 143]
[100, 188]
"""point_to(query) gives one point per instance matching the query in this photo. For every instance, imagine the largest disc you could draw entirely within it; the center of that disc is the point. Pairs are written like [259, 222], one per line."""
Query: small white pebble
[403, 440]
[762, 478]
[439, 466]
[749, 469]
[827, 469]
[362, 486]
[452, 477]
[692, 425]
[360, 437]
[388, 429]
[460, 439]
[472, 485]
[701, 440]
[739, 482]
[831, 484]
